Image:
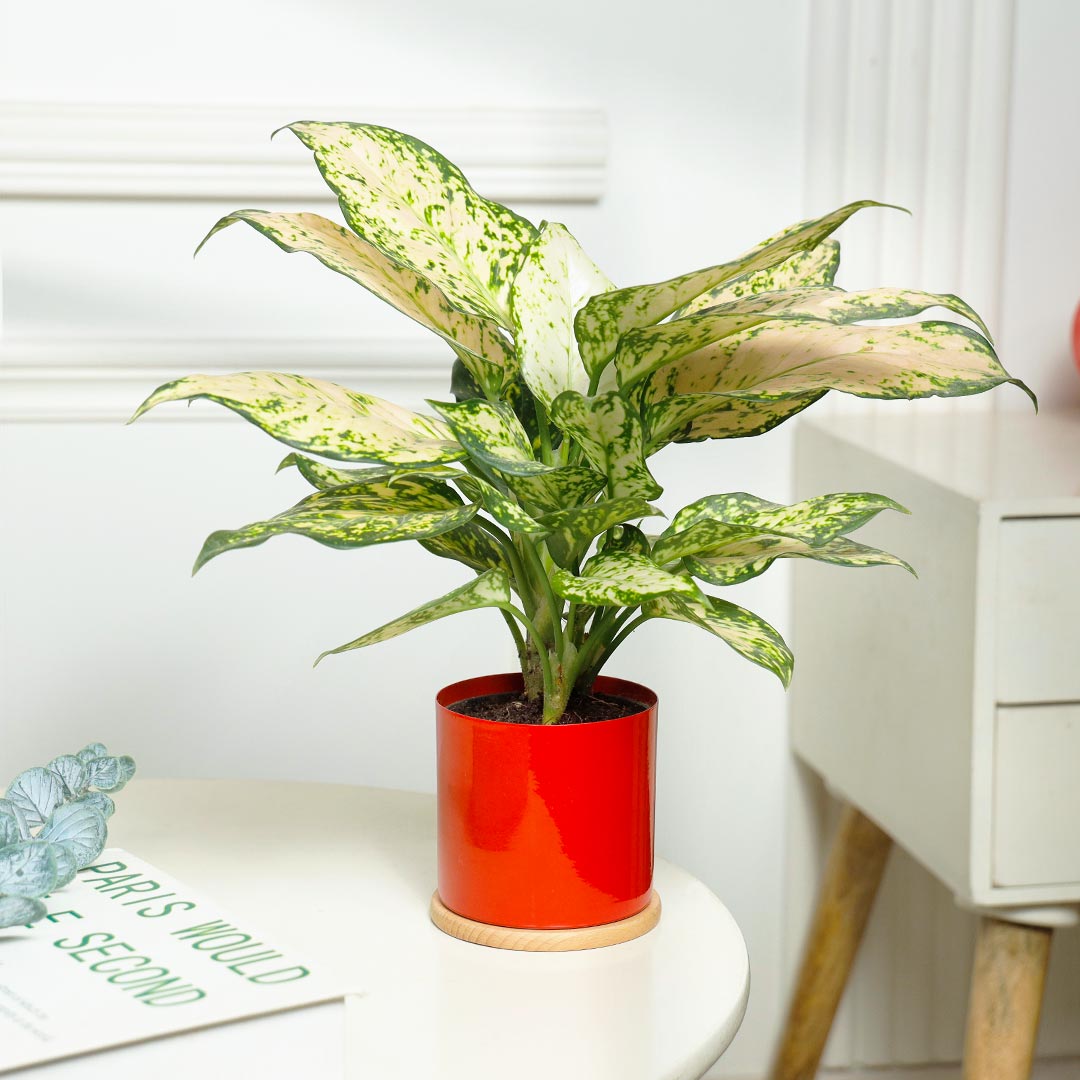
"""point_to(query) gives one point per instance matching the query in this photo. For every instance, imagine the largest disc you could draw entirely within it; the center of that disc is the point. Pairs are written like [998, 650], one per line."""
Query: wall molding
[73, 150]
[68, 380]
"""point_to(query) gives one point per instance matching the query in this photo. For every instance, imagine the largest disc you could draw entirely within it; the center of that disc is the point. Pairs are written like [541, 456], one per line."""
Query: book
[127, 953]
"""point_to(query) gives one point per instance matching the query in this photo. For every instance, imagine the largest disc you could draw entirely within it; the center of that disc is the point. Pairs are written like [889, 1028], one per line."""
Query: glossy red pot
[545, 827]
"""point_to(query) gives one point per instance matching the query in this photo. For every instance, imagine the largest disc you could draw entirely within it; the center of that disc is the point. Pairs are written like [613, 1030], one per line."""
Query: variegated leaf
[572, 530]
[504, 510]
[484, 347]
[800, 356]
[417, 208]
[605, 318]
[641, 352]
[468, 544]
[27, 869]
[20, 911]
[816, 520]
[817, 266]
[491, 434]
[740, 558]
[488, 590]
[692, 417]
[609, 431]
[748, 634]
[340, 518]
[620, 578]
[321, 417]
[568, 486]
[72, 773]
[626, 537]
[67, 865]
[14, 812]
[555, 279]
[324, 477]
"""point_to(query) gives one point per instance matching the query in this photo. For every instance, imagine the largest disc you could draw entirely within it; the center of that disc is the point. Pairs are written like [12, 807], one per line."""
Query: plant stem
[541, 647]
[554, 605]
[545, 432]
[510, 551]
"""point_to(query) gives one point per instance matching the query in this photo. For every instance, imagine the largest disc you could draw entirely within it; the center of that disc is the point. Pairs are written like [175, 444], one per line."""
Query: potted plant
[536, 478]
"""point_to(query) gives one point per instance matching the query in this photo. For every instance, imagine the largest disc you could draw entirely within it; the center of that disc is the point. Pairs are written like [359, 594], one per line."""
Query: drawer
[1038, 610]
[1036, 834]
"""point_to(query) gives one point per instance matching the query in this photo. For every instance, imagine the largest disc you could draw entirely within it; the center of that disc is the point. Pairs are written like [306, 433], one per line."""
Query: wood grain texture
[508, 937]
[1007, 985]
[856, 864]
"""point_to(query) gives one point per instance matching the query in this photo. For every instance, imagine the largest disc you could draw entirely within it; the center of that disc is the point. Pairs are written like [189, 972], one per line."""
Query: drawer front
[1038, 610]
[1036, 835]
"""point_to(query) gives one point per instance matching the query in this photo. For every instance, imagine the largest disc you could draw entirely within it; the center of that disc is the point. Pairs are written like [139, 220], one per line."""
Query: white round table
[345, 874]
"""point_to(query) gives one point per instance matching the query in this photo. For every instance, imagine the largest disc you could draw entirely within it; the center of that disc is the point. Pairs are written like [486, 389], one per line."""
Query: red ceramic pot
[545, 827]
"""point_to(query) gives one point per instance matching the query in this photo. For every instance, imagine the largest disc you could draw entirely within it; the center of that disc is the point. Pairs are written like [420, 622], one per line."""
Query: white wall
[103, 634]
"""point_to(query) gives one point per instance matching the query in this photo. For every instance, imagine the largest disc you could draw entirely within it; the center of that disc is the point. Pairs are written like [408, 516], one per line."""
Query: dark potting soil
[515, 709]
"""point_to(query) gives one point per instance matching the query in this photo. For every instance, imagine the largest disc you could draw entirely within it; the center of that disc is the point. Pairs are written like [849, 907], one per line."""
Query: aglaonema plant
[536, 476]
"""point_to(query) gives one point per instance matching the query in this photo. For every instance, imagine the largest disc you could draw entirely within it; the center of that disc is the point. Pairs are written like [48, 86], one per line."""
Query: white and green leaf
[20, 910]
[324, 477]
[79, 825]
[503, 509]
[467, 544]
[491, 433]
[739, 558]
[320, 417]
[815, 266]
[339, 518]
[610, 433]
[418, 209]
[491, 589]
[572, 530]
[748, 634]
[789, 358]
[557, 489]
[692, 417]
[815, 521]
[483, 346]
[36, 793]
[606, 318]
[555, 280]
[620, 578]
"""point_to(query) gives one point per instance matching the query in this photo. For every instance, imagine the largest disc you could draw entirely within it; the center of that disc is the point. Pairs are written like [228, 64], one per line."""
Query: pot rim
[636, 692]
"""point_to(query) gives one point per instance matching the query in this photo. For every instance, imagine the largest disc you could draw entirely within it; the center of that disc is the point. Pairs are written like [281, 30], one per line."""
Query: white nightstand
[946, 711]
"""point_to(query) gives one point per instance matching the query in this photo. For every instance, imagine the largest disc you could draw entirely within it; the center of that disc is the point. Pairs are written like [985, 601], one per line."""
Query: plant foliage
[53, 822]
[536, 476]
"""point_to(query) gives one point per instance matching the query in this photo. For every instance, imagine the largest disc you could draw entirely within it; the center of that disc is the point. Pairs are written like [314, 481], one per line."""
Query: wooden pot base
[509, 937]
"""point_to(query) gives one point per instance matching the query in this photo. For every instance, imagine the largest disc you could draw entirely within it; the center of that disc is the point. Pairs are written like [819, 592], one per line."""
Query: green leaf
[27, 869]
[693, 417]
[485, 348]
[573, 529]
[626, 538]
[468, 544]
[505, 511]
[605, 318]
[555, 279]
[488, 590]
[418, 209]
[740, 558]
[815, 521]
[19, 911]
[797, 357]
[609, 431]
[13, 812]
[321, 417]
[558, 489]
[340, 518]
[111, 773]
[66, 865]
[748, 634]
[80, 825]
[491, 434]
[620, 578]
[816, 266]
[36, 792]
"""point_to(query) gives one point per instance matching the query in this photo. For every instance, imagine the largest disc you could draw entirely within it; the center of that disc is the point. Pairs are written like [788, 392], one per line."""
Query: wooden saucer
[509, 937]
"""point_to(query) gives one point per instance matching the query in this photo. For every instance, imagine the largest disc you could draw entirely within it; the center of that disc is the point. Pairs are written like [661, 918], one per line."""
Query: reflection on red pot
[545, 827]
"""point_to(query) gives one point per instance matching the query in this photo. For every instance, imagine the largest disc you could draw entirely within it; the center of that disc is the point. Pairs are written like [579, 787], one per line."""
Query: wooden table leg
[1006, 996]
[852, 876]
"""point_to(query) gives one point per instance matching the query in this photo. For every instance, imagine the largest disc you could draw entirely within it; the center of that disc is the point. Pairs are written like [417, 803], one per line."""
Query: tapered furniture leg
[852, 876]
[1006, 996]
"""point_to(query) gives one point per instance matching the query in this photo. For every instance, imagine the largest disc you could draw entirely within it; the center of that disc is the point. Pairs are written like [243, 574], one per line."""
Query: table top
[346, 874]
